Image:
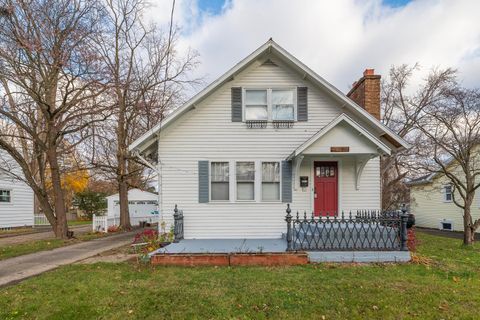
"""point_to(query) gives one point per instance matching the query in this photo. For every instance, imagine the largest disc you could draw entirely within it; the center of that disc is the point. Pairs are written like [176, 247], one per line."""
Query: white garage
[142, 206]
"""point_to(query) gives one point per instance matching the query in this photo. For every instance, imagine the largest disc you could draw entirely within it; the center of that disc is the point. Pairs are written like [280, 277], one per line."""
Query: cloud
[338, 39]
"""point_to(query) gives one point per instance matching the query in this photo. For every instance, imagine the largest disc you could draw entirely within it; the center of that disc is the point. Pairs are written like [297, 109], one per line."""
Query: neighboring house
[432, 203]
[16, 198]
[269, 132]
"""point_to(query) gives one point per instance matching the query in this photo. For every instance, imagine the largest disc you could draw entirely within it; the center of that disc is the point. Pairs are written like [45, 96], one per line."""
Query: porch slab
[358, 256]
[225, 246]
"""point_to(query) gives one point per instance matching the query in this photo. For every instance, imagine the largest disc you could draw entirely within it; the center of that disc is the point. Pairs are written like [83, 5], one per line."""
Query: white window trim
[11, 197]
[232, 181]
[444, 193]
[229, 182]
[269, 101]
[261, 182]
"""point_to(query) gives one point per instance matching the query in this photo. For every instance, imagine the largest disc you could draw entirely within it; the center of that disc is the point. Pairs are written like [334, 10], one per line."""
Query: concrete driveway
[47, 234]
[19, 268]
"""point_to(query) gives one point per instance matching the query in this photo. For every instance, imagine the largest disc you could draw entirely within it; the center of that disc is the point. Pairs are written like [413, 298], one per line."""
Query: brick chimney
[366, 92]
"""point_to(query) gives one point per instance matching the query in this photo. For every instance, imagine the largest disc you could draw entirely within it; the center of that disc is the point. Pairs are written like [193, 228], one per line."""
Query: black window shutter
[302, 104]
[287, 181]
[203, 181]
[236, 104]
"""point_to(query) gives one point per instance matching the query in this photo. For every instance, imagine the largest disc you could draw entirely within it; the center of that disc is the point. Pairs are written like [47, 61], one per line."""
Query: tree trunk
[60, 228]
[469, 231]
[122, 173]
[124, 213]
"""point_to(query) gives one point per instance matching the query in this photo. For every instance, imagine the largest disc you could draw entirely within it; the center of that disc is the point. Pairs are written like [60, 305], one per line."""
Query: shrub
[412, 240]
[113, 229]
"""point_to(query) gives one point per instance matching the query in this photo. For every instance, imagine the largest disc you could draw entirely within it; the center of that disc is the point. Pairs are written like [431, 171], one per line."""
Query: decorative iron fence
[364, 230]
[178, 224]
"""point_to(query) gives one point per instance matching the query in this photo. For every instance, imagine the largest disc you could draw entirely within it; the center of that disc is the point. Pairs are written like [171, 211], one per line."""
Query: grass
[79, 222]
[443, 286]
[14, 250]
[15, 230]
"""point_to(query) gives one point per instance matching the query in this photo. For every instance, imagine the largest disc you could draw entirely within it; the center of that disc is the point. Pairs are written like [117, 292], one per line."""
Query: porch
[366, 236]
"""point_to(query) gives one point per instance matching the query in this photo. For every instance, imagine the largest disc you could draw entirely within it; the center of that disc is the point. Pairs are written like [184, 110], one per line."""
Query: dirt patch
[114, 256]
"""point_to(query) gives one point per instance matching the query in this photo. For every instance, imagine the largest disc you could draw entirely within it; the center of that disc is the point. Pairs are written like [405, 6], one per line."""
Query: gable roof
[333, 124]
[269, 47]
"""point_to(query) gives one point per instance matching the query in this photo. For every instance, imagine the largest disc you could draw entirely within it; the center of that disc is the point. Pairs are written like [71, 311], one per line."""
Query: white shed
[142, 205]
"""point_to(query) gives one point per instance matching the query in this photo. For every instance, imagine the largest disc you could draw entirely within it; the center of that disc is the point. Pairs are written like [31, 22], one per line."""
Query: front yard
[443, 284]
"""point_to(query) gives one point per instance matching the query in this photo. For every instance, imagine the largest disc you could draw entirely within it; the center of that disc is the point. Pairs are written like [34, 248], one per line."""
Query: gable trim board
[330, 126]
[270, 46]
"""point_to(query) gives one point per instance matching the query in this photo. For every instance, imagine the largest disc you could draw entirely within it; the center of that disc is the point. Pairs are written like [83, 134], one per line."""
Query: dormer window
[283, 105]
[275, 105]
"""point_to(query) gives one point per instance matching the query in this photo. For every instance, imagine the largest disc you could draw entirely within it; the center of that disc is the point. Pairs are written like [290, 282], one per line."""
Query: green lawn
[445, 286]
[79, 222]
[14, 250]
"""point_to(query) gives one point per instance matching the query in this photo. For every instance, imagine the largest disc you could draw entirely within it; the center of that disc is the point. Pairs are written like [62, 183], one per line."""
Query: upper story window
[447, 193]
[220, 181]
[269, 105]
[5, 196]
[256, 106]
[283, 107]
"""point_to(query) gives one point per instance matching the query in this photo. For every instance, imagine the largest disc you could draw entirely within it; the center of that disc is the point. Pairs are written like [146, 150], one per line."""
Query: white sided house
[16, 197]
[432, 202]
[268, 132]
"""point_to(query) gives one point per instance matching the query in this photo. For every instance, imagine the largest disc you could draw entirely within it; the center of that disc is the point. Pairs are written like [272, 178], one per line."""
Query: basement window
[446, 225]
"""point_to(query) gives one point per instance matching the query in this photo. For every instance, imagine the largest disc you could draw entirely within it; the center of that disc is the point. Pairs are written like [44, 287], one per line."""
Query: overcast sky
[337, 39]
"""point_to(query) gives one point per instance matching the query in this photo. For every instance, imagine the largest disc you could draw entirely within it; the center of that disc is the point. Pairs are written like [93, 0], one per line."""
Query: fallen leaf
[456, 279]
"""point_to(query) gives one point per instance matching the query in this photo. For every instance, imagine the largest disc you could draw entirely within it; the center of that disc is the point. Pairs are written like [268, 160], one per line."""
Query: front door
[325, 193]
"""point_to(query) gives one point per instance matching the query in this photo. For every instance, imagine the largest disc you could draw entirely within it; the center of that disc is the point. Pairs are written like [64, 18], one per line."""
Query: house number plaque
[339, 149]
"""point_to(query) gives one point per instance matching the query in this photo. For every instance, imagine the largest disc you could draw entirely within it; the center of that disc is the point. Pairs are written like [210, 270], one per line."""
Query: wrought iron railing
[178, 224]
[363, 230]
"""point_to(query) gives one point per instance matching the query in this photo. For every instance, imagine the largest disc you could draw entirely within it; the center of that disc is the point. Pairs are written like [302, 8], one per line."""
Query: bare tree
[50, 82]
[450, 146]
[146, 79]
[402, 109]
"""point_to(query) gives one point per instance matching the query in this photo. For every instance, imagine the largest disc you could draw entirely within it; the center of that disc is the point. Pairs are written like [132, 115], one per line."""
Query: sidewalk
[19, 268]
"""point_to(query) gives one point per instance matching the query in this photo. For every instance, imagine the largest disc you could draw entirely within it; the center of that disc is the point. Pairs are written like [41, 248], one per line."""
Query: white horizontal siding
[207, 133]
[429, 207]
[19, 212]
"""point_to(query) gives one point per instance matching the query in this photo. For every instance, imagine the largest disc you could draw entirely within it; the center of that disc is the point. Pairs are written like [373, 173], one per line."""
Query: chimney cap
[369, 72]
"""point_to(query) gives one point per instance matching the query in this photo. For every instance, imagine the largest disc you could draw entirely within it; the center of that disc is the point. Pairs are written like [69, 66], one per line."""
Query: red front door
[325, 192]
